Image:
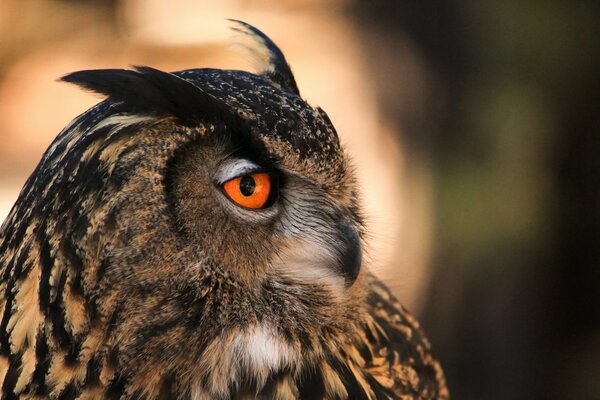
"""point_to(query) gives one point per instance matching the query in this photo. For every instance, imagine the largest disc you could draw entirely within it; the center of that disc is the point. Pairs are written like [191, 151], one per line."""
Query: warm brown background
[474, 127]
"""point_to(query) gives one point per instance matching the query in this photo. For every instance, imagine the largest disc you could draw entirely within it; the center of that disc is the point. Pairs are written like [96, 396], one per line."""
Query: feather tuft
[149, 90]
[273, 64]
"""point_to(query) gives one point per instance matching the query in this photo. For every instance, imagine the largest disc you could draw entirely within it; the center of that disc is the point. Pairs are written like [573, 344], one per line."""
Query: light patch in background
[181, 22]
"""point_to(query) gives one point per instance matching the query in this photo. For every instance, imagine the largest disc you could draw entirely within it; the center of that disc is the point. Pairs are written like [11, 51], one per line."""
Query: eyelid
[234, 168]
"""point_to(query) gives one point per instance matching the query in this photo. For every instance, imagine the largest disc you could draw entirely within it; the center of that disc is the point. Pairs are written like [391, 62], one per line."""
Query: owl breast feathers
[197, 235]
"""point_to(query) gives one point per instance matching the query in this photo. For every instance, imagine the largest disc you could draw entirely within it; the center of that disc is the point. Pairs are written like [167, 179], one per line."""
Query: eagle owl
[198, 235]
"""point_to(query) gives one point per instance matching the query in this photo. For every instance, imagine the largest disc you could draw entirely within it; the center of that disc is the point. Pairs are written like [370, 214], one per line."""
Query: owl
[198, 235]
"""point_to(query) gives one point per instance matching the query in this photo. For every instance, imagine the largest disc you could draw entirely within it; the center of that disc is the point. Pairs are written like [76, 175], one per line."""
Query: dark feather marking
[244, 387]
[18, 236]
[305, 339]
[80, 223]
[157, 329]
[196, 308]
[110, 221]
[57, 316]
[116, 387]
[90, 176]
[70, 392]
[101, 270]
[381, 392]
[122, 171]
[310, 384]
[365, 353]
[6, 268]
[268, 390]
[353, 387]
[6, 236]
[42, 363]
[46, 262]
[12, 374]
[281, 73]
[167, 387]
[20, 269]
[76, 266]
[72, 356]
[92, 373]
[4, 334]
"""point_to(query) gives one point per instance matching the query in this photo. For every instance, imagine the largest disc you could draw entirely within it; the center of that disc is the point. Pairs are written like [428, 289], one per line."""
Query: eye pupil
[247, 185]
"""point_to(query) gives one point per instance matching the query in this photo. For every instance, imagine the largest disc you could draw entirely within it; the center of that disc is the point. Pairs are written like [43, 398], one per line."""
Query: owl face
[196, 230]
[260, 213]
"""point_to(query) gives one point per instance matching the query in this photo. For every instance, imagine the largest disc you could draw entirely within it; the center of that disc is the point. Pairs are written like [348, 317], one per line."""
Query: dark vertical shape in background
[573, 304]
[509, 122]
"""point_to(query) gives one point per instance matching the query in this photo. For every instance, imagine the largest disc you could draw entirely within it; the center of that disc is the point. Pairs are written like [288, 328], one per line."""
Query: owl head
[195, 234]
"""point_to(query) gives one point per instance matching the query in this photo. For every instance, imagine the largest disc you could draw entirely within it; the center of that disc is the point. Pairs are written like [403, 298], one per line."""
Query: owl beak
[350, 252]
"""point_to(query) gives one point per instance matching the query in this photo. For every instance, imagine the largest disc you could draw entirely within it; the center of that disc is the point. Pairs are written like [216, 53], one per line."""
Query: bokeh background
[474, 127]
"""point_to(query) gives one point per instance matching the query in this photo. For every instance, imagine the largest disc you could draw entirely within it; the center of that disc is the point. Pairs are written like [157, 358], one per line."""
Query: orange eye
[250, 191]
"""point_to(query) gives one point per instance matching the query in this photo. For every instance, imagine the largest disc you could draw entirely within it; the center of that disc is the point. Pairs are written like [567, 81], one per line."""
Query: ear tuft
[272, 62]
[152, 91]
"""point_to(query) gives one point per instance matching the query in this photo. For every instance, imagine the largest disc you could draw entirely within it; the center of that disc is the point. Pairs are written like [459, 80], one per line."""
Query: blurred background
[474, 127]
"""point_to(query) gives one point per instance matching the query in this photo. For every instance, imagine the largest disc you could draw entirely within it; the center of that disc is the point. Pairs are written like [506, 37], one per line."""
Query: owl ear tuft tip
[79, 78]
[270, 59]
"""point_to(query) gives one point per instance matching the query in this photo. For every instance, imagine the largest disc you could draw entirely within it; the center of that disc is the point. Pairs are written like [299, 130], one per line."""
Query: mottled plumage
[128, 273]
